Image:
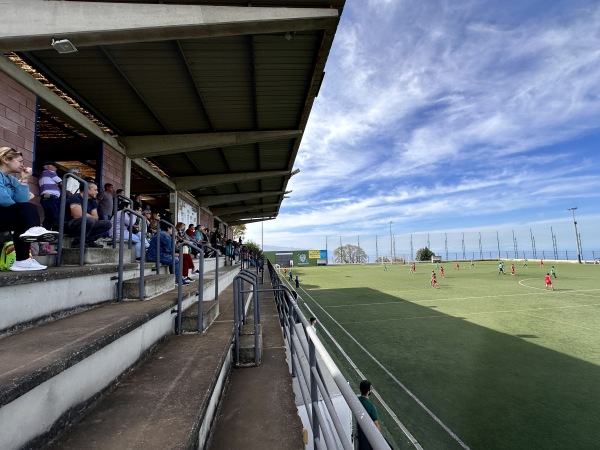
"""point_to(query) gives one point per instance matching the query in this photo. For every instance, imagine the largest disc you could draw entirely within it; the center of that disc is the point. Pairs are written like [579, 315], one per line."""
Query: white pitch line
[393, 415]
[558, 321]
[398, 382]
[442, 315]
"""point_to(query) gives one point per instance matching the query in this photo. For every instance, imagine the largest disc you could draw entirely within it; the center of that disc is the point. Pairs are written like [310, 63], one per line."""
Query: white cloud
[436, 111]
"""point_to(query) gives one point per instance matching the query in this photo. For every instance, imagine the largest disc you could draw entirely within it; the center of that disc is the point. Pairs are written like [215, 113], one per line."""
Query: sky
[451, 117]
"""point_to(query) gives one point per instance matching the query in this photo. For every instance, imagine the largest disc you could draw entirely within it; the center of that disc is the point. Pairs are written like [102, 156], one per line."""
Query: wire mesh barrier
[328, 431]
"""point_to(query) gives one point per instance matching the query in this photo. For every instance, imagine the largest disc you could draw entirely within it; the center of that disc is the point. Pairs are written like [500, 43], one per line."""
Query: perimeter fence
[551, 243]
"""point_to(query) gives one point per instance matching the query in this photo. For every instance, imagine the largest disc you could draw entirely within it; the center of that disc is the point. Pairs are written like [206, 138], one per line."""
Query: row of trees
[353, 254]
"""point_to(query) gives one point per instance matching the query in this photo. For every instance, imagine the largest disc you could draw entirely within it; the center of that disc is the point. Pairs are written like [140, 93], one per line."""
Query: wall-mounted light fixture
[63, 46]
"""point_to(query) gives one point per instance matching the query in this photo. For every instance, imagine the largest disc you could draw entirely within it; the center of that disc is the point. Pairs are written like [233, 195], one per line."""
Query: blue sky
[451, 117]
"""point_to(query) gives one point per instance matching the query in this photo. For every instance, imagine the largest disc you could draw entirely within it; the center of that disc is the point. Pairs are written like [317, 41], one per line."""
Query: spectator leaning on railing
[16, 213]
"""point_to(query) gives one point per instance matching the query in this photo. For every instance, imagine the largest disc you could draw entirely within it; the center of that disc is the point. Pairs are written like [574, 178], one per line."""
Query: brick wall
[17, 122]
[206, 218]
[112, 167]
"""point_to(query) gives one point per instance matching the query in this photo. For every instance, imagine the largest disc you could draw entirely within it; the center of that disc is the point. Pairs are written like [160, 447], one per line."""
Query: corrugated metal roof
[235, 83]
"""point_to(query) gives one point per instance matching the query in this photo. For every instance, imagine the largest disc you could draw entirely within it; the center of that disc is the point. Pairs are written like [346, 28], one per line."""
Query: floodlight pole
[391, 243]
[576, 234]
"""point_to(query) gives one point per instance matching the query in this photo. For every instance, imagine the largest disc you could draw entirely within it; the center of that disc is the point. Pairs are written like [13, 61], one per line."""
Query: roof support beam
[247, 216]
[32, 24]
[154, 174]
[229, 198]
[195, 182]
[244, 208]
[244, 222]
[159, 145]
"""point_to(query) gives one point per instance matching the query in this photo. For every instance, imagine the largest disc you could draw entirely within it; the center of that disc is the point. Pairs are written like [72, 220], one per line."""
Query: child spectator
[50, 186]
[16, 213]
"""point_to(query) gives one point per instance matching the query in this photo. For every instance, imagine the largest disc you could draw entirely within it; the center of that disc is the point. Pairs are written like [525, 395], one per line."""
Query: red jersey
[548, 279]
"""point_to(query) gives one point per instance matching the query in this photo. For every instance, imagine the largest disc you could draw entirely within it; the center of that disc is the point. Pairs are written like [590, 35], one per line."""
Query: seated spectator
[95, 227]
[165, 243]
[16, 213]
[191, 233]
[153, 223]
[72, 183]
[50, 187]
[124, 219]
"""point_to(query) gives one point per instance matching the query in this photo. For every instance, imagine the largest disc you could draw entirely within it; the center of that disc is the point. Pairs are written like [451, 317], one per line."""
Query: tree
[349, 254]
[424, 254]
[238, 231]
[382, 259]
[253, 247]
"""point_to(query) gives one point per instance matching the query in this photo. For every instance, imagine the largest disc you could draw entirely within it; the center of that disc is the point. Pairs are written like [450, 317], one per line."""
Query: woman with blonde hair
[16, 213]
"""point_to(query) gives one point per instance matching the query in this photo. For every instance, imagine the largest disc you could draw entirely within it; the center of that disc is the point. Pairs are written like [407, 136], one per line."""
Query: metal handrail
[239, 316]
[288, 306]
[121, 252]
[114, 217]
[61, 223]
[200, 325]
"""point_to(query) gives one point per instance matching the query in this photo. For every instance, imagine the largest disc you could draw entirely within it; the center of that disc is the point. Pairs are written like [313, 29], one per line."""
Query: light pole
[576, 234]
[391, 245]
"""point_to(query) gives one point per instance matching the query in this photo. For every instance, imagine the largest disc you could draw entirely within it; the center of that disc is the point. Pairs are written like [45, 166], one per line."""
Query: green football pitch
[486, 361]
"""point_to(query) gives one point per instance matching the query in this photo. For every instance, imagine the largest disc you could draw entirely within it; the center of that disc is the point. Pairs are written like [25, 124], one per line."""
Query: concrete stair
[153, 285]
[58, 360]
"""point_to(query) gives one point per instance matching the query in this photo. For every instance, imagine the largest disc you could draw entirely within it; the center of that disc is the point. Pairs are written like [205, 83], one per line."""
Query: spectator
[313, 323]
[105, 202]
[365, 392]
[16, 213]
[125, 219]
[50, 186]
[153, 225]
[72, 183]
[95, 227]
[165, 243]
[137, 202]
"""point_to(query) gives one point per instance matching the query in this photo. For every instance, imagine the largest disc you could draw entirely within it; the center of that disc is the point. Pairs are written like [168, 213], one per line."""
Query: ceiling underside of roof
[237, 86]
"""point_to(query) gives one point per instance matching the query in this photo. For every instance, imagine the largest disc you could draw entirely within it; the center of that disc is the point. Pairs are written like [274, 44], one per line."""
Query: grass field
[486, 361]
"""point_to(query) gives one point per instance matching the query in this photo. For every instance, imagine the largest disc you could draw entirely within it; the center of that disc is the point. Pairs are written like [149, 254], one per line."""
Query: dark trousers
[19, 218]
[94, 228]
[51, 206]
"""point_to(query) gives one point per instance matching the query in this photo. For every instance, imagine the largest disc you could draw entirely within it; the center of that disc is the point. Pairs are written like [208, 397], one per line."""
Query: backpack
[7, 256]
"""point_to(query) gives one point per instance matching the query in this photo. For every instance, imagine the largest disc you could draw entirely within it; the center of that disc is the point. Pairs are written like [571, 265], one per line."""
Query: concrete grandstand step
[189, 318]
[32, 297]
[247, 343]
[167, 402]
[50, 373]
[106, 255]
[153, 285]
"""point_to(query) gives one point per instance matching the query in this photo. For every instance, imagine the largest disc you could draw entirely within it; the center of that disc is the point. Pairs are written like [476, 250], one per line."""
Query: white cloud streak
[449, 112]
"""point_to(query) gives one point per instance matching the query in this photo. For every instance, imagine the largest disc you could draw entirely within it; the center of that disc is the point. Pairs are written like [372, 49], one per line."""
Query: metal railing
[200, 325]
[122, 252]
[311, 381]
[61, 223]
[239, 312]
[114, 217]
